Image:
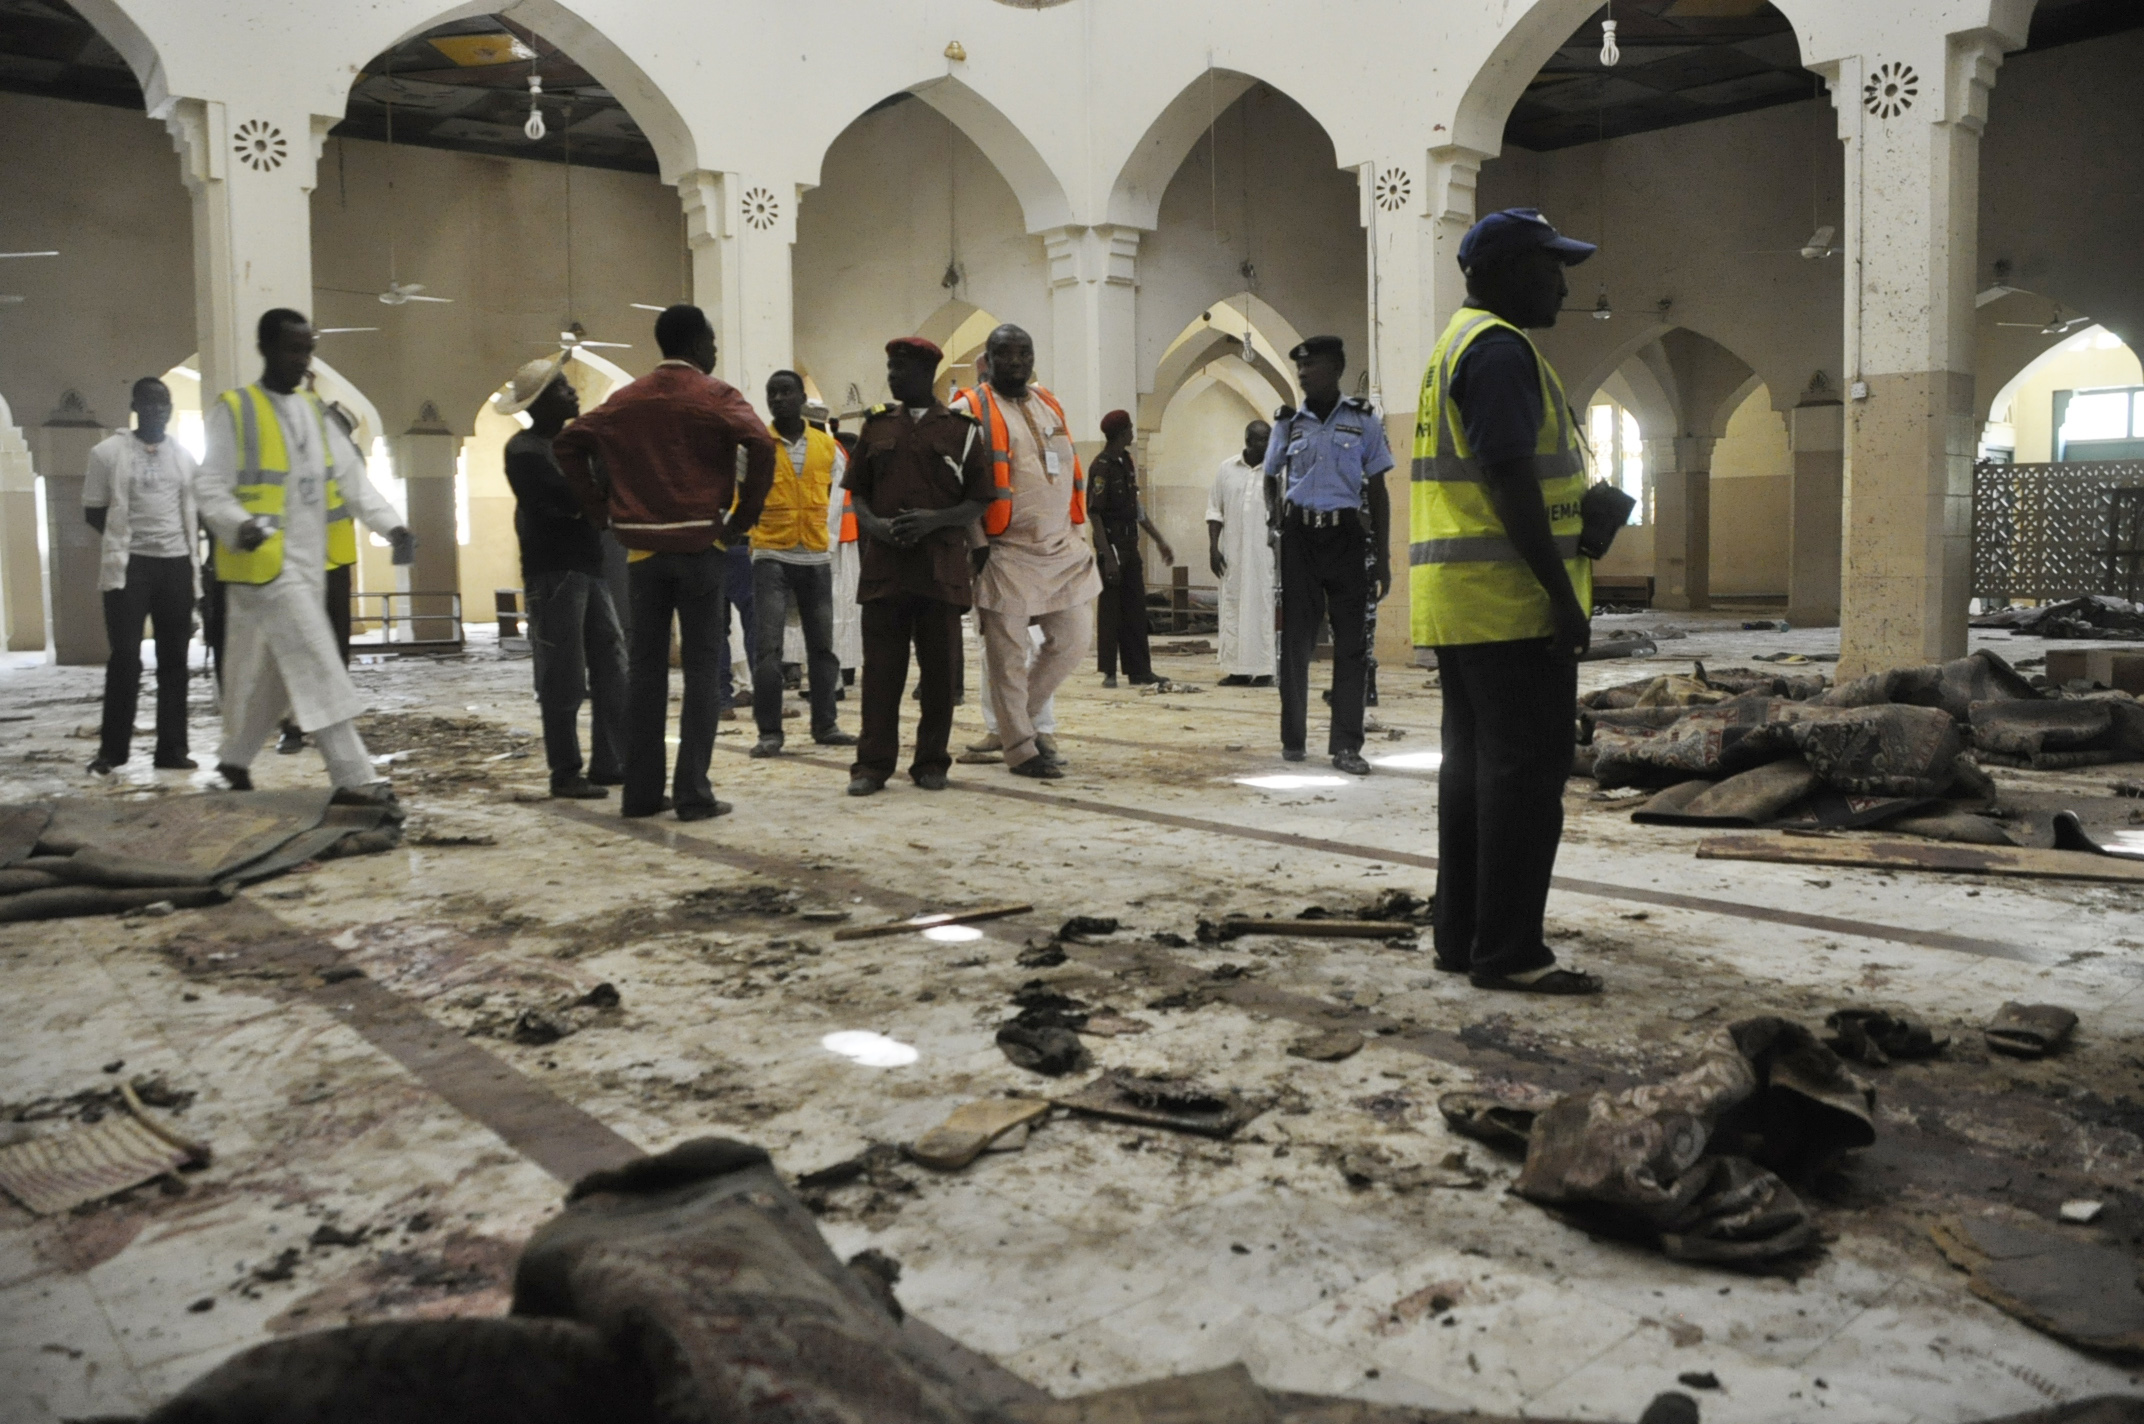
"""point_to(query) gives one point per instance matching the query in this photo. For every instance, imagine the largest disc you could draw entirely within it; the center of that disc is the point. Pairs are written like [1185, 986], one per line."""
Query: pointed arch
[1244, 326]
[1041, 193]
[119, 31]
[1136, 192]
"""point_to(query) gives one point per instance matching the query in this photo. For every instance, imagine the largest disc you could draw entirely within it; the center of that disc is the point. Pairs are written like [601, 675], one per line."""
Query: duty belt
[1319, 518]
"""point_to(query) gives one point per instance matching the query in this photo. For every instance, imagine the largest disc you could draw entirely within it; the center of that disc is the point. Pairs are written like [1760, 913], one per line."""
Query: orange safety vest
[848, 517]
[982, 404]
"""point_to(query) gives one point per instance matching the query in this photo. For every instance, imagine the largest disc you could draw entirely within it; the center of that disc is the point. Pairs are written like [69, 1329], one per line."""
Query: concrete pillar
[1092, 364]
[1911, 120]
[741, 232]
[1681, 472]
[1817, 435]
[250, 173]
[22, 565]
[1415, 210]
[425, 458]
[63, 445]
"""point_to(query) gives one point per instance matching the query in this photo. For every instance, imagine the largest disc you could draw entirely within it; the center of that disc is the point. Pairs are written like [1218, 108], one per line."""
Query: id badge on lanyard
[1051, 466]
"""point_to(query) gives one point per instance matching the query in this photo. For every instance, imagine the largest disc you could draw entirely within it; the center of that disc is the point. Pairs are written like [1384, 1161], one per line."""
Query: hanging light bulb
[1609, 53]
[1601, 310]
[534, 127]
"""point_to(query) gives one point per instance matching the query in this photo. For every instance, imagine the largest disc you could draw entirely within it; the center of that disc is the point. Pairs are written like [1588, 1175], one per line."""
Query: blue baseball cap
[1516, 230]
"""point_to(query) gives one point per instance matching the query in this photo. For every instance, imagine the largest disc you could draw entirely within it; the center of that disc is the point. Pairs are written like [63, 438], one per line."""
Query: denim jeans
[737, 594]
[811, 586]
[579, 652]
[689, 588]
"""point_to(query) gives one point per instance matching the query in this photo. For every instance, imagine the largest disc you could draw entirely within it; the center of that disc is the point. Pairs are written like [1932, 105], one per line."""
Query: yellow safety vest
[795, 511]
[263, 469]
[1468, 584]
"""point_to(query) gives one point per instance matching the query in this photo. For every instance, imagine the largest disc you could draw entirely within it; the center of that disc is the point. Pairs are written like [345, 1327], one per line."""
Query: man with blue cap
[1501, 592]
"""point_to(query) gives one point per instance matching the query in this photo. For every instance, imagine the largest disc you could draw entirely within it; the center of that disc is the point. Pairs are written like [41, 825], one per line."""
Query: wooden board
[930, 922]
[1320, 929]
[1942, 857]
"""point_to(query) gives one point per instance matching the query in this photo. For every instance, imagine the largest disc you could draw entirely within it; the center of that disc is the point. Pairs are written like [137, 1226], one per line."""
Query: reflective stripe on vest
[983, 404]
[1466, 580]
[788, 517]
[263, 469]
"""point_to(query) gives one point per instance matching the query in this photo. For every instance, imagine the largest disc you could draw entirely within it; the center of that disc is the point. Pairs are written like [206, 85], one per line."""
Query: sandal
[1556, 981]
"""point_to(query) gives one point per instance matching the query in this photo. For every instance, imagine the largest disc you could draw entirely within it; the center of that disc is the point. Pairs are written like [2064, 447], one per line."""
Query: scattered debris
[1109, 1025]
[1502, 1116]
[2081, 1212]
[879, 1273]
[1052, 1052]
[63, 1170]
[2073, 1285]
[962, 1137]
[1178, 1103]
[1328, 1047]
[1698, 1379]
[282, 1268]
[1169, 686]
[1666, 1160]
[1875, 1037]
[1236, 926]
[1371, 1165]
[1799, 848]
[2094, 616]
[603, 996]
[328, 1234]
[827, 915]
[1081, 927]
[2029, 1030]
[427, 833]
[919, 923]
[1046, 955]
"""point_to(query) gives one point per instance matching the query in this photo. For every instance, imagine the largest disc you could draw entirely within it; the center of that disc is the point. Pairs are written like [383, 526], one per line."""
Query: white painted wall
[1202, 427]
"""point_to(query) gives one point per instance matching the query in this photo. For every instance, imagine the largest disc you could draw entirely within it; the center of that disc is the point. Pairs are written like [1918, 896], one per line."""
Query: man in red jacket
[657, 462]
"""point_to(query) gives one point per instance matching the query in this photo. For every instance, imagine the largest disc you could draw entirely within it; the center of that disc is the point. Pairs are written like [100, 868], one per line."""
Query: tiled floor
[1101, 1253]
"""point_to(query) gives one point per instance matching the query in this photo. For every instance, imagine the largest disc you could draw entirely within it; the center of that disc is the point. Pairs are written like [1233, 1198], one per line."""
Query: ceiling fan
[1820, 244]
[576, 336]
[398, 293]
[340, 330]
[9, 301]
[2057, 325]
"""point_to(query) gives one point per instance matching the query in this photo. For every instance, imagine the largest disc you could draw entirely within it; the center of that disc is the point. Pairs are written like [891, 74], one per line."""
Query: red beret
[1115, 421]
[915, 346]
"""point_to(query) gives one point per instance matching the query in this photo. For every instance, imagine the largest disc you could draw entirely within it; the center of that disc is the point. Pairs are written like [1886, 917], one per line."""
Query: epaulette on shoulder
[965, 414]
[882, 408]
[1286, 412]
[1361, 403]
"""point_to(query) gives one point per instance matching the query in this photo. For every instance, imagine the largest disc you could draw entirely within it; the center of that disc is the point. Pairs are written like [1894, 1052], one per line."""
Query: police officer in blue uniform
[1325, 469]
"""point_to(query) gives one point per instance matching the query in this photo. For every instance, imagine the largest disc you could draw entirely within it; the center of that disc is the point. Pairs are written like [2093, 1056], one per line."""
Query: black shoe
[835, 739]
[931, 780]
[766, 747]
[1291, 753]
[1040, 767]
[865, 786]
[235, 777]
[376, 793]
[656, 810]
[599, 779]
[177, 763]
[1351, 763]
[1262, 680]
[1144, 681]
[291, 742]
[1235, 679]
[1109, 679]
[578, 788]
[102, 766]
[704, 811]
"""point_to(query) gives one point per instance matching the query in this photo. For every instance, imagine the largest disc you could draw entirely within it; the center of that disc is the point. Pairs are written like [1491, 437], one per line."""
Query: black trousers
[776, 585]
[578, 651]
[1323, 576]
[160, 592]
[687, 587]
[1508, 712]
[1120, 623]
[891, 626]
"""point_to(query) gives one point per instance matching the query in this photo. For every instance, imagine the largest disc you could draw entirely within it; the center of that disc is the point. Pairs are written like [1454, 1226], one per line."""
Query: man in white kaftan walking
[278, 487]
[1242, 559]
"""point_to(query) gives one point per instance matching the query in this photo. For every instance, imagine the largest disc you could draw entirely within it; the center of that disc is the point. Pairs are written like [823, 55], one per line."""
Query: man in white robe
[279, 648]
[1242, 559]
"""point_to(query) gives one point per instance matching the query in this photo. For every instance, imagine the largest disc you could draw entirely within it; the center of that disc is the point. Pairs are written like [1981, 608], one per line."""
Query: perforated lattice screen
[2053, 531]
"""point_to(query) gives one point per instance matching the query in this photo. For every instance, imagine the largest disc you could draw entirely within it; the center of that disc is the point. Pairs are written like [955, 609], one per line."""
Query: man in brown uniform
[920, 476]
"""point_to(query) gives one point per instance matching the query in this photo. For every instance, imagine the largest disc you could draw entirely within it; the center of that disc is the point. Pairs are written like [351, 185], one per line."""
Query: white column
[425, 457]
[1093, 358]
[1681, 470]
[250, 172]
[742, 233]
[63, 445]
[22, 574]
[1911, 121]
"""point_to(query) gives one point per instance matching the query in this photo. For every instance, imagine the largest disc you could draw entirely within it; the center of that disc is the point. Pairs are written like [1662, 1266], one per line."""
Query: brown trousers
[890, 627]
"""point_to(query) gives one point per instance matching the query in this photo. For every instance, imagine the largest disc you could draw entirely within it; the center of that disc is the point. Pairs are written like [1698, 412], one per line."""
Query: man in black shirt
[574, 635]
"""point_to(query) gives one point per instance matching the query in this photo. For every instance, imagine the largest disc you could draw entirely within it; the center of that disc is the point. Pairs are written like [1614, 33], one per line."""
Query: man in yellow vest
[1501, 593]
[278, 488]
[793, 562]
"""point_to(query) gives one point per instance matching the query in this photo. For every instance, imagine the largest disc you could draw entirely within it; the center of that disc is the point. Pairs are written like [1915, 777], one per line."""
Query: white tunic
[1238, 505]
[848, 567]
[278, 632]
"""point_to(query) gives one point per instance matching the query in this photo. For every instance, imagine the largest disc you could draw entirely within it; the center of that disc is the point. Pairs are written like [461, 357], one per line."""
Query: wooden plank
[1924, 855]
[1320, 929]
[929, 922]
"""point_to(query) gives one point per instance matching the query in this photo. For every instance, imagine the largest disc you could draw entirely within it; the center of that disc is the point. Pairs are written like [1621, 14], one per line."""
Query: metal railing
[428, 622]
